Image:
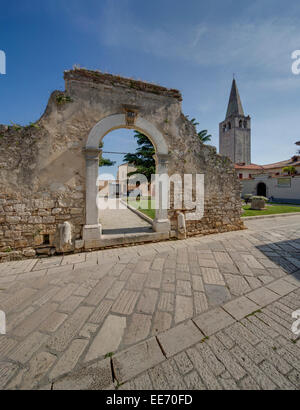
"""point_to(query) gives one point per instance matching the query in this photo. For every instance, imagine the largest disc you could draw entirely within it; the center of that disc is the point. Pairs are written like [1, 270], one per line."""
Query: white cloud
[265, 44]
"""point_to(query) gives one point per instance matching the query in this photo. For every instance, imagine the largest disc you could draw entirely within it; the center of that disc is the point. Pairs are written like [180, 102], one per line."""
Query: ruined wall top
[80, 74]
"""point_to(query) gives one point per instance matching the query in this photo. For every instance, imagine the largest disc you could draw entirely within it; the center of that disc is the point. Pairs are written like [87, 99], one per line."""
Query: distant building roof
[295, 160]
[249, 166]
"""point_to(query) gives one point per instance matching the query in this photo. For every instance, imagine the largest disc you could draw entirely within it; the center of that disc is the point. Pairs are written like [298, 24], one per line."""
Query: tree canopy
[290, 170]
[142, 159]
[105, 162]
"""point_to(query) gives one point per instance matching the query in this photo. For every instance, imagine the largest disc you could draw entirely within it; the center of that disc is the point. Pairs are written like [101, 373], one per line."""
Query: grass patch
[145, 205]
[271, 210]
[254, 313]
[110, 354]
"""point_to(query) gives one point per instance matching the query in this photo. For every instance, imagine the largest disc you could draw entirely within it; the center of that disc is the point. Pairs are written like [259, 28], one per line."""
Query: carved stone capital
[92, 153]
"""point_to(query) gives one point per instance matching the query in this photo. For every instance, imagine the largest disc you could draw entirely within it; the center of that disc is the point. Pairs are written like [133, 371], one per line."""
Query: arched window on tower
[229, 125]
[245, 124]
[241, 124]
[224, 127]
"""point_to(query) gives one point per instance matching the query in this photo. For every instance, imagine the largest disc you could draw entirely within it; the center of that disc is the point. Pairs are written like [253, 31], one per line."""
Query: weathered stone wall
[42, 167]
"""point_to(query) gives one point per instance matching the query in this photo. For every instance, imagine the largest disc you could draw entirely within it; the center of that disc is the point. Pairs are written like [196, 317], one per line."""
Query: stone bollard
[65, 236]
[181, 226]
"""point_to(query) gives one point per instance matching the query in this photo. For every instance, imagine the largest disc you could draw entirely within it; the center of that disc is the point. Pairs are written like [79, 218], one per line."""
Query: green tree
[203, 135]
[105, 162]
[142, 159]
[290, 170]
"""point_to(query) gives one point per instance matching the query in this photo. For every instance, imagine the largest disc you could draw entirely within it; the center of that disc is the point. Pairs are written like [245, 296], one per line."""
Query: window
[245, 124]
[250, 175]
[229, 125]
[241, 124]
[240, 176]
[284, 182]
[224, 128]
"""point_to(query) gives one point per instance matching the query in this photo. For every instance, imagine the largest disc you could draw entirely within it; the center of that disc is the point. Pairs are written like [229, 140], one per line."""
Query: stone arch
[92, 230]
[113, 122]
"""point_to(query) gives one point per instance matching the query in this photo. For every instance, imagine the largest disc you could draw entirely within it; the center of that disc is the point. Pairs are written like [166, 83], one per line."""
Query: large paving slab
[179, 338]
[263, 296]
[213, 321]
[241, 307]
[135, 360]
[108, 339]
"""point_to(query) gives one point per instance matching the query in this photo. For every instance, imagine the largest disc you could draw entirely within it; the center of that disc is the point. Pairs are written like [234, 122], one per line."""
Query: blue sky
[191, 45]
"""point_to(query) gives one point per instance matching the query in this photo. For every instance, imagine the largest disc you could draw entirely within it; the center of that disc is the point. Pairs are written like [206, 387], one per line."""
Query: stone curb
[249, 218]
[138, 213]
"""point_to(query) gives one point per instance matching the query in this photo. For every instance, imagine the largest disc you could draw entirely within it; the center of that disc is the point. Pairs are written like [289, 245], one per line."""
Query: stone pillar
[92, 230]
[161, 222]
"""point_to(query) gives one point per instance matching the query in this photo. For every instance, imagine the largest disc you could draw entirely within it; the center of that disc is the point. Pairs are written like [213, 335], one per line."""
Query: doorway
[261, 189]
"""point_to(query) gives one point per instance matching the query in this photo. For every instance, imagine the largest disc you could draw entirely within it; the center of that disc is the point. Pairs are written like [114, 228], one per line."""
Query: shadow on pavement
[285, 254]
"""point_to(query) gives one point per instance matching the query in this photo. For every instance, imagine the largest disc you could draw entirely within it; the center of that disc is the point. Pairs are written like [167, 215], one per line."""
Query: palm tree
[290, 170]
[203, 135]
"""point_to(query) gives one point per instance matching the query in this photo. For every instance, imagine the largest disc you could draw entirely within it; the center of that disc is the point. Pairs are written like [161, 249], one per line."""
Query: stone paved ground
[63, 312]
[257, 352]
[121, 220]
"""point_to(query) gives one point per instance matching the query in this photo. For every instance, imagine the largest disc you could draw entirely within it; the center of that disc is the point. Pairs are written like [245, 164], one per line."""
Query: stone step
[126, 239]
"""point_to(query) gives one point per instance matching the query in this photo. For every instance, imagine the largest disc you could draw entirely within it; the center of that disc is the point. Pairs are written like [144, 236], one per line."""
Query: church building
[279, 181]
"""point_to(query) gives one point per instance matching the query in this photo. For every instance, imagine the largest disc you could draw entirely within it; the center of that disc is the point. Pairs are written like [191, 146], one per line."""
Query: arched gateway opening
[92, 232]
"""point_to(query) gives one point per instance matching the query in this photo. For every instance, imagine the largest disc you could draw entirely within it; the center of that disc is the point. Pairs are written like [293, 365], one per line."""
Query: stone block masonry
[45, 167]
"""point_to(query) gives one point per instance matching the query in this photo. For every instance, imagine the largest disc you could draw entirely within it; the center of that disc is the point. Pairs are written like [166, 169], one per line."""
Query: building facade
[272, 181]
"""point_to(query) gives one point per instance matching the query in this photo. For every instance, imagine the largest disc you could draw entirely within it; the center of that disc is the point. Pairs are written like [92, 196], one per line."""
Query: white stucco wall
[273, 189]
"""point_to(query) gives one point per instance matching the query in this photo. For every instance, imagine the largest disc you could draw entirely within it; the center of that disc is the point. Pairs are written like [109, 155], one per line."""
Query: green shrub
[63, 99]
[33, 125]
[260, 197]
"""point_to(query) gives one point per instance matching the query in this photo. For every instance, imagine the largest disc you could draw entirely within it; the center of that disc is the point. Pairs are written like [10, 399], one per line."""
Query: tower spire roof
[234, 106]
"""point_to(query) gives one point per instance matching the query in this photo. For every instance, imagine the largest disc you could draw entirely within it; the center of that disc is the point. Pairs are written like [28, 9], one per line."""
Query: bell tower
[235, 131]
